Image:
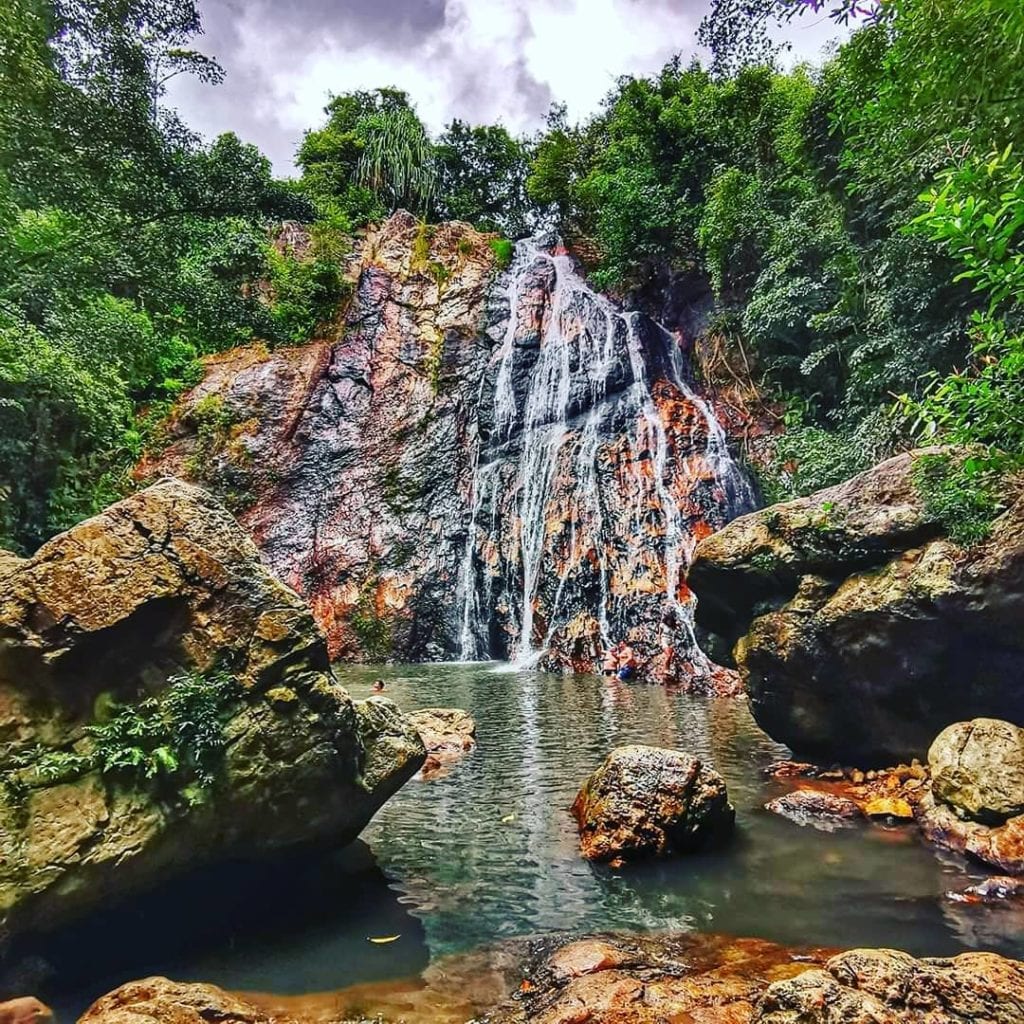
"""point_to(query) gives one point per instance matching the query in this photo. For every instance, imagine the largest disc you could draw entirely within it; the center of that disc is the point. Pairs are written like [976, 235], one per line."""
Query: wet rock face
[824, 811]
[1000, 846]
[978, 769]
[481, 463]
[859, 629]
[650, 802]
[97, 627]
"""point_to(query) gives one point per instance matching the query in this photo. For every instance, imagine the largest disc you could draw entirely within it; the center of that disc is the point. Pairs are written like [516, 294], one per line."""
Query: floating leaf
[383, 939]
[508, 819]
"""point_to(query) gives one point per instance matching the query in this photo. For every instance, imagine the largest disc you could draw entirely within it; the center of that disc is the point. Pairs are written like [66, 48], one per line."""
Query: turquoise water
[489, 851]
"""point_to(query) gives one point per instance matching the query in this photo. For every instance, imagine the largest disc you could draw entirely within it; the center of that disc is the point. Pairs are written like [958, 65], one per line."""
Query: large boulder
[166, 702]
[978, 769]
[859, 628]
[646, 801]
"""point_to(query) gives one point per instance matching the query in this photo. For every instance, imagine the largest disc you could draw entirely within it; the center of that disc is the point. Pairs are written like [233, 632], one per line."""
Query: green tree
[482, 174]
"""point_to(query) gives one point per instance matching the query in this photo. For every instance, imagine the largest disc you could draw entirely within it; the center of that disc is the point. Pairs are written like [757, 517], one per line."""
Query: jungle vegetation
[858, 227]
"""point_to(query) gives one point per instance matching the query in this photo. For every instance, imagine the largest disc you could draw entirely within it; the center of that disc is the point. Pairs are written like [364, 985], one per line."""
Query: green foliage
[482, 174]
[305, 293]
[958, 494]
[127, 248]
[977, 211]
[176, 739]
[504, 252]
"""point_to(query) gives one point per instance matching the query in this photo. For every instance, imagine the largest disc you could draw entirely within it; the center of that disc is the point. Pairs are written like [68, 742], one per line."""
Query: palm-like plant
[398, 159]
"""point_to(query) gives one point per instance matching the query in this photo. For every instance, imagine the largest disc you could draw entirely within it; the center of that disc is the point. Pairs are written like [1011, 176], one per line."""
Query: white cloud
[479, 60]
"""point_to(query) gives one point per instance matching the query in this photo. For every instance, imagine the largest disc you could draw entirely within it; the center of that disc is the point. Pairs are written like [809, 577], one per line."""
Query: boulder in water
[824, 811]
[647, 801]
[978, 769]
[859, 628]
[447, 733]
[25, 1010]
[168, 703]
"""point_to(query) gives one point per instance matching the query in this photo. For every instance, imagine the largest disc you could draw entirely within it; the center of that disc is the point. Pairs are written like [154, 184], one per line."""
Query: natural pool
[489, 851]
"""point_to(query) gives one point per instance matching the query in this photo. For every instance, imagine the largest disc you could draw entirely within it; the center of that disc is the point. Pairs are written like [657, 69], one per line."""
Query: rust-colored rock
[109, 615]
[1002, 846]
[860, 629]
[631, 979]
[25, 1010]
[447, 733]
[160, 1001]
[647, 801]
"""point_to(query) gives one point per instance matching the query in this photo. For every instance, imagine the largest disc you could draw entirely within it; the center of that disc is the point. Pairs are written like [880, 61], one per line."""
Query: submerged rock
[25, 1010]
[825, 811]
[167, 703]
[646, 801]
[447, 733]
[859, 629]
[996, 889]
[978, 769]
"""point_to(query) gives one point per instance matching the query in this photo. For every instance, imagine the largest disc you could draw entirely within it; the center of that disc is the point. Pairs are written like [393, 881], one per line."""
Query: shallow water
[489, 851]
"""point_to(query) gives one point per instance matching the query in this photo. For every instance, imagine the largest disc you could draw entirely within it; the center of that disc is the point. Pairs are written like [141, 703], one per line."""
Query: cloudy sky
[479, 60]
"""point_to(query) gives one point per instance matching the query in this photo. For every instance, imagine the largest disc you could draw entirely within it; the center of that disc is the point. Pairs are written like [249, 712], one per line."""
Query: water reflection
[294, 925]
[490, 850]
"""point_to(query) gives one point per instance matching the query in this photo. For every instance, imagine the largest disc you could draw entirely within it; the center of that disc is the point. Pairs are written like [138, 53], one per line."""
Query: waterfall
[595, 467]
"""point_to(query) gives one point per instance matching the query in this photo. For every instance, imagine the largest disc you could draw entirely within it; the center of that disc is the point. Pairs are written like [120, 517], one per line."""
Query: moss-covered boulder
[166, 702]
[860, 629]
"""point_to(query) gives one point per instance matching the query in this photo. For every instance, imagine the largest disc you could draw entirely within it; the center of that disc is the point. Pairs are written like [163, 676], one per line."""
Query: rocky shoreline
[620, 979]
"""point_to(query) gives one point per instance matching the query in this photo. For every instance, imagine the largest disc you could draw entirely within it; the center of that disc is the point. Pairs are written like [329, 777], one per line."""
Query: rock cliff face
[860, 629]
[482, 462]
[124, 755]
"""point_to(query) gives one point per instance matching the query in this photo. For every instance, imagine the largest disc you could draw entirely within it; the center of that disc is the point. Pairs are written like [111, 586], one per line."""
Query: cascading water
[596, 470]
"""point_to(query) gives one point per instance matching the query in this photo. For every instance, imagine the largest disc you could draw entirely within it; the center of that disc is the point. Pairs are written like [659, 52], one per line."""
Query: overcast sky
[479, 60]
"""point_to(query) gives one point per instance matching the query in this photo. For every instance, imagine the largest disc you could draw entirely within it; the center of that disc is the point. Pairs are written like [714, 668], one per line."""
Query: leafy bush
[504, 252]
[305, 294]
[176, 738]
[959, 494]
